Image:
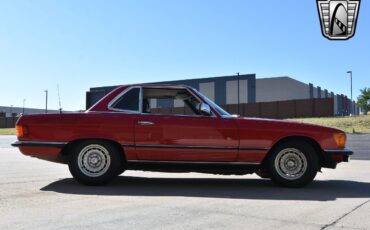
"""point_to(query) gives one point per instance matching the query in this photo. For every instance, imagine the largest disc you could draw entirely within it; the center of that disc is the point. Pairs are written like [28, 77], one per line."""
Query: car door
[176, 137]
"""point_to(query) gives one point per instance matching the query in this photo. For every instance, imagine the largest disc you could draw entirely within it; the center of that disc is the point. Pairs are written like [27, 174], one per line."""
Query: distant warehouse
[277, 97]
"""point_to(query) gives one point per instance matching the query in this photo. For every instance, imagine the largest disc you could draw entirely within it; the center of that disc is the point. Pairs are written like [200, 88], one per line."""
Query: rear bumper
[39, 144]
[50, 151]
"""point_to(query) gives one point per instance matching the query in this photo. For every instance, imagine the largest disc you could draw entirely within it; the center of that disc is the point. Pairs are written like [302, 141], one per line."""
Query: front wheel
[293, 164]
[94, 162]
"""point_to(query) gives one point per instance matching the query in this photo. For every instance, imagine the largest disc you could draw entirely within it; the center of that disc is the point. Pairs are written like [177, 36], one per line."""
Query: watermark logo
[338, 18]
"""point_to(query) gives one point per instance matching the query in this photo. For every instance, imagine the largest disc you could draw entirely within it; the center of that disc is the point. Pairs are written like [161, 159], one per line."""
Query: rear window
[128, 101]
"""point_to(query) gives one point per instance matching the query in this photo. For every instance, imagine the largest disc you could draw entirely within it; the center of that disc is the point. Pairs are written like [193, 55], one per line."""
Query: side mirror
[205, 109]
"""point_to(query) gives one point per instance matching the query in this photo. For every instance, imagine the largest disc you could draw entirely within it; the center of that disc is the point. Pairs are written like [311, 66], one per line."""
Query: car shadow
[319, 190]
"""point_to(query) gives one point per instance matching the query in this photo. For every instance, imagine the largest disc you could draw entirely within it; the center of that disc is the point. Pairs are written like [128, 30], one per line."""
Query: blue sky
[82, 44]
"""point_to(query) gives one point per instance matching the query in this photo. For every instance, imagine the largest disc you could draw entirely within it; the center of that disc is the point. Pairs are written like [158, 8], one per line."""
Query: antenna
[60, 104]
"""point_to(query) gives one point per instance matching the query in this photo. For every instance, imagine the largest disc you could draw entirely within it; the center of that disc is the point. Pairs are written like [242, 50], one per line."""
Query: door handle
[145, 123]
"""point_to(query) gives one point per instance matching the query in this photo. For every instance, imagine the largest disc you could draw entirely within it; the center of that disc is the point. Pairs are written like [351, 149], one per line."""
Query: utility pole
[46, 101]
[350, 72]
[238, 94]
[24, 101]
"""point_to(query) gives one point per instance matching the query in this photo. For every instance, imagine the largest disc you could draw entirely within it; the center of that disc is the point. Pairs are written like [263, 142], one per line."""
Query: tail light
[21, 131]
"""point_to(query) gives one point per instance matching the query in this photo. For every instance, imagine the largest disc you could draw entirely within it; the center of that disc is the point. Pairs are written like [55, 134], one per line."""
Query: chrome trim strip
[185, 147]
[196, 147]
[39, 144]
[253, 148]
[128, 145]
[194, 162]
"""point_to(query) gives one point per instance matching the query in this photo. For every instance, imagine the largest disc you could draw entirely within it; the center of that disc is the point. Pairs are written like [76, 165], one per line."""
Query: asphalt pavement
[360, 145]
[36, 194]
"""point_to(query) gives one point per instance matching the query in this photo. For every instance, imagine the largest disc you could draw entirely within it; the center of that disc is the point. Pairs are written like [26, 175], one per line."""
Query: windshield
[220, 110]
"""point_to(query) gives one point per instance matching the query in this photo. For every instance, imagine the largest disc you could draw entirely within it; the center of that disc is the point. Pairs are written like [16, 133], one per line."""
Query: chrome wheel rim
[291, 163]
[94, 160]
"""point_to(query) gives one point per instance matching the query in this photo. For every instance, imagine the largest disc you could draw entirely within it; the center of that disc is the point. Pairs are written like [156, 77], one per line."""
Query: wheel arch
[71, 144]
[307, 139]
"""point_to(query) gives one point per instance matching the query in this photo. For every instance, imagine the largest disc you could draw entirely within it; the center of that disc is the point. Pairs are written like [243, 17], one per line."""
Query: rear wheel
[293, 164]
[263, 174]
[94, 162]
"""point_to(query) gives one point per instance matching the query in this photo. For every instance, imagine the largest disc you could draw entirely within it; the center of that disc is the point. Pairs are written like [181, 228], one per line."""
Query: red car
[177, 129]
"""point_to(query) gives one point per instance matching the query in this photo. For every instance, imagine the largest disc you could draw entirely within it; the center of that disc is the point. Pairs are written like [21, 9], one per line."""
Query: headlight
[340, 139]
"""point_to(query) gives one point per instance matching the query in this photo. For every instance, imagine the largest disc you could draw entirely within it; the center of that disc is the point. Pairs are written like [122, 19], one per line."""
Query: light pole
[24, 102]
[350, 74]
[46, 101]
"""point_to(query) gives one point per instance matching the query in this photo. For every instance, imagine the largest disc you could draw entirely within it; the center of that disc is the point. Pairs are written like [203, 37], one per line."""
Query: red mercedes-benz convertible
[177, 129]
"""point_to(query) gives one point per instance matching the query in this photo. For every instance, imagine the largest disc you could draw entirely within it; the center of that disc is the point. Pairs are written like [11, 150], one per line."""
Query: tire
[121, 170]
[94, 162]
[263, 174]
[293, 164]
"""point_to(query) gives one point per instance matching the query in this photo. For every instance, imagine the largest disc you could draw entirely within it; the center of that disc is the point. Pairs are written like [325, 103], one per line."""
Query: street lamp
[46, 101]
[24, 101]
[350, 72]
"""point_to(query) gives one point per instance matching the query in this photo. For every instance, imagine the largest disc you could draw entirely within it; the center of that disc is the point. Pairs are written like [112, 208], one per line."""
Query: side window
[169, 101]
[128, 101]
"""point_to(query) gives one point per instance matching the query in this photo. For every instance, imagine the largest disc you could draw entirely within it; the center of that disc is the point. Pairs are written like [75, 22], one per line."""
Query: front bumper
[343, 152]
[334, 156]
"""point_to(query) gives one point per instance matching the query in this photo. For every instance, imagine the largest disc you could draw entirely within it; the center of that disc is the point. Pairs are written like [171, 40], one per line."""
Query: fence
[319, 107]
[8, 122]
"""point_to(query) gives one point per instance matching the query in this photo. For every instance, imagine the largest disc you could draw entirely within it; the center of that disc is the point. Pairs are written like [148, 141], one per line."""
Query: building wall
[208, 89]
[232, 91]
[323, 94]
[315, 94]
[280, 89]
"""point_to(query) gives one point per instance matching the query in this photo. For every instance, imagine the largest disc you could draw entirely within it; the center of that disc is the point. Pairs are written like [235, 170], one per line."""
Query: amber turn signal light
[20, 131]
[340, 139]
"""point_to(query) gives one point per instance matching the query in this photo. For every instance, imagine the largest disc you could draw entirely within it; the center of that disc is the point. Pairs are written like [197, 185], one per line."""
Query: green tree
[363, 100]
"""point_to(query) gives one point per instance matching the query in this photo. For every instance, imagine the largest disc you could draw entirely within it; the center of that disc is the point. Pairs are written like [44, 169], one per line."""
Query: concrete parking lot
[36, 194]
